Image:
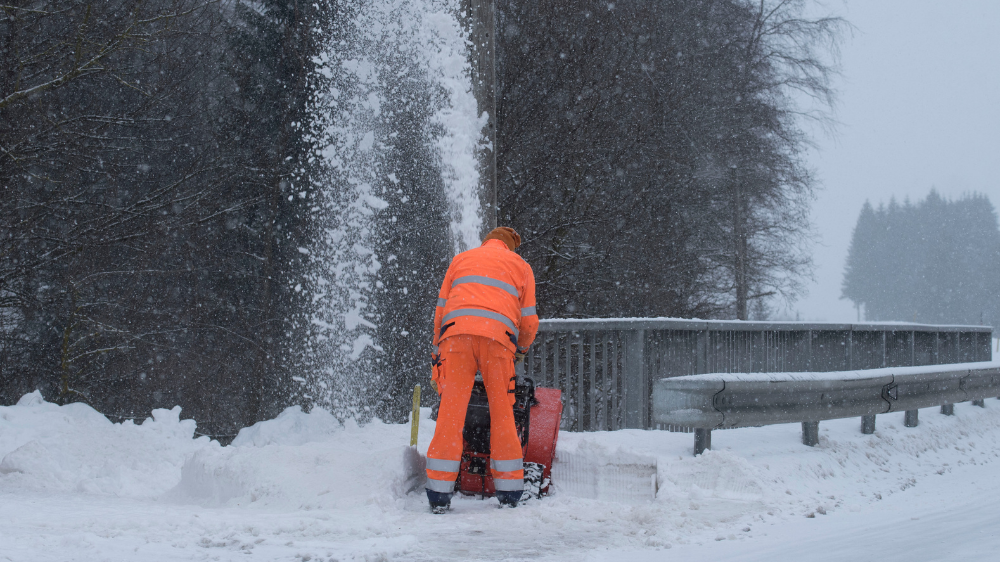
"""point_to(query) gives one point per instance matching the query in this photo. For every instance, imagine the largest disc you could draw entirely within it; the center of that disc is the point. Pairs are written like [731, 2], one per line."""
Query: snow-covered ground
[74, 486]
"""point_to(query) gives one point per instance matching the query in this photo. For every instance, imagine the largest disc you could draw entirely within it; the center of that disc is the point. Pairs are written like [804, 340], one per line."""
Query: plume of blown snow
[448, 64]
[355, 67]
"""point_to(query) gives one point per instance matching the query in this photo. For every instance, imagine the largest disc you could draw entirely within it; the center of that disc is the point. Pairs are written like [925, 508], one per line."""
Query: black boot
[509, 499]
[440, 502]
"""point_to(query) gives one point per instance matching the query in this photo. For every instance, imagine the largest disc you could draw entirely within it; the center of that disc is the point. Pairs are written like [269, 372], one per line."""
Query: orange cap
[505, 234]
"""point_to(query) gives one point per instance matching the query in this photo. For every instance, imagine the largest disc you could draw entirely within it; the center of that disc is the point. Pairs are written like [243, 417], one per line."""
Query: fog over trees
[936, 261]
[168, 176]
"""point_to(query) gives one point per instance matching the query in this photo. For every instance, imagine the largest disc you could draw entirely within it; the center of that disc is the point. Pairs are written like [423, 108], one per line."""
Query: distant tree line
[936, 261]
[161, 172]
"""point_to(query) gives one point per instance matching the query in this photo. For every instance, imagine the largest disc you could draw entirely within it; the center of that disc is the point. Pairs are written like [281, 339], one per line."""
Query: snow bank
[303, 486]
[74, 448]
[297, 459]
[300, 460]
[767, 474]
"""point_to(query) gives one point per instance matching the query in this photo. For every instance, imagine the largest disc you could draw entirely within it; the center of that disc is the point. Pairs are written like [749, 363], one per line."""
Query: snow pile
[300, 460]
[291, 427]
[297, 459]
[74, 448]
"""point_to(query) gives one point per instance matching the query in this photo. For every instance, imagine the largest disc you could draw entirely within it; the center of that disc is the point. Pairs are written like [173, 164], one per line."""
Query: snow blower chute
[537, 413]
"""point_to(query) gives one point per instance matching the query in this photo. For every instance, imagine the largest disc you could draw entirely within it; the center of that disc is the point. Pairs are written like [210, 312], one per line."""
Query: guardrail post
[810, 433]
[636, 395]
[948, 409]
[910, 418]
[868, 424]
[980, 403]
[702, 440]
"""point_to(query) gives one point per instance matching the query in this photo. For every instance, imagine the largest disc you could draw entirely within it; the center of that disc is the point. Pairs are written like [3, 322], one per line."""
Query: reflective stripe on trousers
[444, 465]
[512, 485]
[506, 466]
[442, 486]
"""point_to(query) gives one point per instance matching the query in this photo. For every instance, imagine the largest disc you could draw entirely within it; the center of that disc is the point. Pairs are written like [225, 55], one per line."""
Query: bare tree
[149, 244]
[652, 152]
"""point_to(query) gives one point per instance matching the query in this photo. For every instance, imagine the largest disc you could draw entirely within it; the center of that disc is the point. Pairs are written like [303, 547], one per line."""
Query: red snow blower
[537, 413]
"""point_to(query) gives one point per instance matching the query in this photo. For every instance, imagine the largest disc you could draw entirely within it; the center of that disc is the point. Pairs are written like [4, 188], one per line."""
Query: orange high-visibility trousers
[461, 357]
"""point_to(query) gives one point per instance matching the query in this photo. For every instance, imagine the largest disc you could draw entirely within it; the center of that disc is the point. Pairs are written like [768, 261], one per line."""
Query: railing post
[948, 409]
[636, 394]
[910, 418]
[809, 350]
[580, 395]
[701, 352]
[937, 348]
[980, 403]
[868, 424]
[883, 349]
[850, 349]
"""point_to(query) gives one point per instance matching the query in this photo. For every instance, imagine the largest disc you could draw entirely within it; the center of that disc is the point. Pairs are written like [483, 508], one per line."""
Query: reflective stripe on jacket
[488, 291]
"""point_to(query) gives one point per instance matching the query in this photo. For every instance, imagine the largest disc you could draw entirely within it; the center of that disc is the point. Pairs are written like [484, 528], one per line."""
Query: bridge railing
[606, 367]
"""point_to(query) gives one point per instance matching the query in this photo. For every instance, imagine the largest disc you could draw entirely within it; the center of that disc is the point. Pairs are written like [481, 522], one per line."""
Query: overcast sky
[919, 107]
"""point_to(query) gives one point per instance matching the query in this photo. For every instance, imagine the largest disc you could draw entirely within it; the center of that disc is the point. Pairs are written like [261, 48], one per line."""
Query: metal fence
[606, 368]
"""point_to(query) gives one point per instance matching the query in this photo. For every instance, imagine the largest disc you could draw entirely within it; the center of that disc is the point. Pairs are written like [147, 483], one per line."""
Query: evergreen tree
[937, 261]
[862, 259]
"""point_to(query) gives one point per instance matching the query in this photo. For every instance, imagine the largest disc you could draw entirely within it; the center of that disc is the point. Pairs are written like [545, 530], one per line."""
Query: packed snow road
[74, 486]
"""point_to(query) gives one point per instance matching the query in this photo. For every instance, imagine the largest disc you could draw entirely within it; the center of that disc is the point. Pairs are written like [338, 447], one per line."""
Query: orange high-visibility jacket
[488, 291]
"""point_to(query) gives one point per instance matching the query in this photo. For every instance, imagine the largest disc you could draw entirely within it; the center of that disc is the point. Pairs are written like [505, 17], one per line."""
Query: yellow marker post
[415, 416]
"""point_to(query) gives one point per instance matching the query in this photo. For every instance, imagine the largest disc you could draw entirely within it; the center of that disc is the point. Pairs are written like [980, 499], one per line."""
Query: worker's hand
[519, 357]
[435, 371]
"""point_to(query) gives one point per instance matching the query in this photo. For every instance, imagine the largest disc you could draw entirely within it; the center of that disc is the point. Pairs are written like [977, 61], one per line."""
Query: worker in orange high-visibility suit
[485, 321]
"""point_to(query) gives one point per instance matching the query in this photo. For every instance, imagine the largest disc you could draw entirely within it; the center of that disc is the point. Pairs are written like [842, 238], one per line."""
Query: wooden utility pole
[480, 22]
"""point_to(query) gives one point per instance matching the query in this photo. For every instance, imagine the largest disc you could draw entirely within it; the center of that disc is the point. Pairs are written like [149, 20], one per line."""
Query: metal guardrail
[606, 367]
[726, 401]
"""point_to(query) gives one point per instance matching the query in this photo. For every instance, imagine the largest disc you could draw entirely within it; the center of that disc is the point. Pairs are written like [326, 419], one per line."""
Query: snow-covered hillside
[74, 486]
